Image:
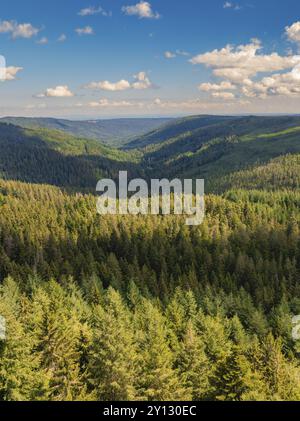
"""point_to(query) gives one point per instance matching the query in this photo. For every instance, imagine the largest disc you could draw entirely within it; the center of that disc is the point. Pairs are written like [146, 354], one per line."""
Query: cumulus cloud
[42, 41]
[235, 75]
[62, 38]
[208, 87]
[10, 73]
[165, 106]
[92, 10]
[293, 32]
[105, 85]
[185, 104]
[223, 95]
[182, 53]
[169, 54]
[244, 61]
[141, 81]
[87, 30]
[143, 10]
[230, 5]
[240, 67]
[189, 105]
[104, 103]
[62, 91]
[18, 30]
[287, 84]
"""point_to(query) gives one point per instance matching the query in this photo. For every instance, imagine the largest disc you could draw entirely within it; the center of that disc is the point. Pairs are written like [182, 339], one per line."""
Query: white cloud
[105, 85]
[208, 87]
[25, 30]
[87, 30]
[287, 84]
[7, 26]
[293, 32]
[10, 73]
[62, 38]
[240, 67]
[141, 82]
[143, 10]
[169, 54]
[104, 103]
[42, 41]
[223, 95]
[230, 5]
[92, 10]
[235, 75]
[57, 92]
[182, 53]
[190, 105]
[240, 63]
[22, 30]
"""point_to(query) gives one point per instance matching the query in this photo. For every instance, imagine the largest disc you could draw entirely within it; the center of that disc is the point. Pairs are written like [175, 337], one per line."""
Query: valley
[123, 307]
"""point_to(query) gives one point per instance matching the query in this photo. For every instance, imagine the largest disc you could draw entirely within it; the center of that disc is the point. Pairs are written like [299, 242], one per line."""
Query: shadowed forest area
[145, 307]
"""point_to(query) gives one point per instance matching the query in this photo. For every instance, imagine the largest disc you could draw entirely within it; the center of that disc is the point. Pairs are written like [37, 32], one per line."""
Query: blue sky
[107, 58]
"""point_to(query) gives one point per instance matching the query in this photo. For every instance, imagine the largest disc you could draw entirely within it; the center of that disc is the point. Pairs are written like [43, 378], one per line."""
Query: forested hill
[212, 125]
[214, 148]
[175, 128]
[57, 158]
[228, 152]
[129, 308]
[124, 307]
[112, 131]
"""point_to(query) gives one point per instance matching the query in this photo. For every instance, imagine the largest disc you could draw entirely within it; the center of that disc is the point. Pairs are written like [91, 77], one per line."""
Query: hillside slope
[228, 152]
[54, 157]
[176, 128]
[113, 132]
[215, 151]
[282, 172]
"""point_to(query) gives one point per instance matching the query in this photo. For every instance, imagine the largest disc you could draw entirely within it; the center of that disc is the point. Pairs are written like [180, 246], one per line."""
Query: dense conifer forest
[146, 307]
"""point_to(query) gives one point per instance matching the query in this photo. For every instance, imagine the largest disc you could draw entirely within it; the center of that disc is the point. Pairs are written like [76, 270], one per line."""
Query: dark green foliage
[54, 157]
[228, 152]
[59, 347]
[113, 365]
[113, 132]
[147, 308]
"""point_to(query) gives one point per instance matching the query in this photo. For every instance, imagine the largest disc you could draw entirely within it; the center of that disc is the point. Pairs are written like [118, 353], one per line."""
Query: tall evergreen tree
[113, 367]
[159, 380]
